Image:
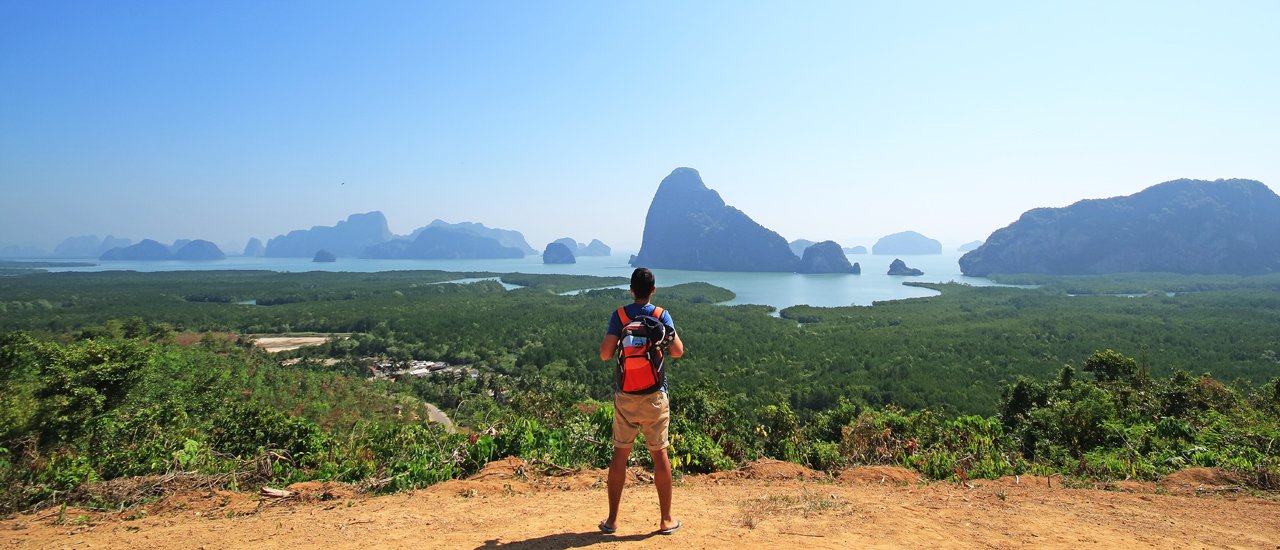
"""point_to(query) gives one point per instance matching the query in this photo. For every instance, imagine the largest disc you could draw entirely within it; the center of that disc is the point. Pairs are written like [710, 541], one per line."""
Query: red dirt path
[767, 504]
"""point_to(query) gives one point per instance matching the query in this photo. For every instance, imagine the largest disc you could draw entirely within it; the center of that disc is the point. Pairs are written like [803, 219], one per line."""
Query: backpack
[640, 347]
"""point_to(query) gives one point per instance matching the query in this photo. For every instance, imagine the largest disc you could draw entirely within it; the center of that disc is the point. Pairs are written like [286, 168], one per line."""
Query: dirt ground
[285, 343]
[766, 504]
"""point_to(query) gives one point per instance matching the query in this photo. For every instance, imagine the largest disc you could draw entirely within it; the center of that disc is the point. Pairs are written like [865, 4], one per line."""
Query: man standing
[648, 413]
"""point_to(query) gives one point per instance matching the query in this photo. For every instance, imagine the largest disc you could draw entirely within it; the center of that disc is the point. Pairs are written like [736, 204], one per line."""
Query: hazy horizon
[824, 120]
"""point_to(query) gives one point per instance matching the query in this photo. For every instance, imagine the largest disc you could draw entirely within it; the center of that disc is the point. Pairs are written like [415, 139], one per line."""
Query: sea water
[779, 290]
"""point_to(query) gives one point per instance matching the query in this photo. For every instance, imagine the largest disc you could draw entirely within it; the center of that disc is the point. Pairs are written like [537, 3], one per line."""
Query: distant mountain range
[442, 243]
[367, 236]
[149, 250]
[360, 235]
[88, 246]
[594, 248]
[1182, 226]
[347, 238]
[23, 251]
[505, 237]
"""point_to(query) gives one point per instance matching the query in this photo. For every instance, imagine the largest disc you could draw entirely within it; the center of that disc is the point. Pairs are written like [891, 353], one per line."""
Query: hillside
[766, 504]
[1181, 226]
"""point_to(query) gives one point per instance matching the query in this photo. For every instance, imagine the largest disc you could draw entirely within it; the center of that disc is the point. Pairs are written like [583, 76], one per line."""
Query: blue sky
[822, 120]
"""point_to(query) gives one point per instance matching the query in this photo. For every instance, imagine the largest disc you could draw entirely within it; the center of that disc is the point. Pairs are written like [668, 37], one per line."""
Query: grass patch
[804, 504]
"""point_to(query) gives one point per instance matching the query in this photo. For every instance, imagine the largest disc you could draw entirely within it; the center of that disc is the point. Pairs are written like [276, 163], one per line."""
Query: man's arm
[677, 347]
[609, 347]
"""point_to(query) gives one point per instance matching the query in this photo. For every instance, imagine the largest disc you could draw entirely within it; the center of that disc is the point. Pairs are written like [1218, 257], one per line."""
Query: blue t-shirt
[635, 310]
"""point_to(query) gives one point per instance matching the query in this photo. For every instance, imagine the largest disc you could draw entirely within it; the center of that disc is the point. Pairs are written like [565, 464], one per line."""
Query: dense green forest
[949, 353]
[105, 375]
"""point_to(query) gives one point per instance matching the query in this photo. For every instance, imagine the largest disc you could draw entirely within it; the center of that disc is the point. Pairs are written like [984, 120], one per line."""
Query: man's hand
[609, 347]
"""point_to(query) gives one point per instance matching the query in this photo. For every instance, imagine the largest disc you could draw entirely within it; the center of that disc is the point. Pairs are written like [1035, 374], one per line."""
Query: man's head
[642, 283]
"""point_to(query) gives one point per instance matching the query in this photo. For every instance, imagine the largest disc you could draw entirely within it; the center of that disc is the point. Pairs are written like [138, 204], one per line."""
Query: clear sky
[838, 120]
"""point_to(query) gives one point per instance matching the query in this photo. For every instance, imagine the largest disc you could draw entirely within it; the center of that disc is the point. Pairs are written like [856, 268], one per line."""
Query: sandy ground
[285, 343]
[767, 505]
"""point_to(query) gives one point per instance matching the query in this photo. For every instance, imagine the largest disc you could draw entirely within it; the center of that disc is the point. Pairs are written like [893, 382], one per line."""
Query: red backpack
[640, 347]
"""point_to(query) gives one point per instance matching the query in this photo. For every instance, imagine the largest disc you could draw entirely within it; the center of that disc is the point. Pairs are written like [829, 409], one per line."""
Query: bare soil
[512, 503]
[274, 344]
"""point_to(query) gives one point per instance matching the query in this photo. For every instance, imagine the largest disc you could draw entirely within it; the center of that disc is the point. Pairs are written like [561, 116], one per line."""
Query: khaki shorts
[650, 414]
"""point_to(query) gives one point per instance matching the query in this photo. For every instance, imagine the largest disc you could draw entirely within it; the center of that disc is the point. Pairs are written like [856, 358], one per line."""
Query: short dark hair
[642, 282]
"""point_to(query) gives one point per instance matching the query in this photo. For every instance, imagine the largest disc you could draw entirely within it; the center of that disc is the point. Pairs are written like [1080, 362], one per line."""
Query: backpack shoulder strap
[622, 315]
[657, 312]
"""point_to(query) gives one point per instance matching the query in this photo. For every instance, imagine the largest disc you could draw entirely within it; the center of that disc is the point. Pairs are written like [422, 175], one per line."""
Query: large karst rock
[899, 267]
[569, 243]
[906, 242]
[254, 248]
[690, 227]
[595, 248]
[558, 253]
[440, 243]
[146, 250]
[826, 257]
[199, 250]
[506, 237]
[347, 238]
[1182, 226]
[150, 250]
[798, 246]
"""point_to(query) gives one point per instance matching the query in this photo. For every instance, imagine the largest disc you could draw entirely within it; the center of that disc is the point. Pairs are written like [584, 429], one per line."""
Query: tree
[780, 430]
[84, 380]
[1110, 366]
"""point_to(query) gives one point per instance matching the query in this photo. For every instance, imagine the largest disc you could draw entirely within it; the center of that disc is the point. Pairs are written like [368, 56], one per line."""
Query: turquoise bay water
[775, 289]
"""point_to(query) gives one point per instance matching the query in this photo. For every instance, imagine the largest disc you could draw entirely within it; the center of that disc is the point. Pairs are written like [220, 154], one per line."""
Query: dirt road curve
[509, 506]
[438, 416]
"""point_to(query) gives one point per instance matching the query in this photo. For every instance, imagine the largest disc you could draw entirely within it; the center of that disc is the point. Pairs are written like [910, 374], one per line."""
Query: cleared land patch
[273, 344]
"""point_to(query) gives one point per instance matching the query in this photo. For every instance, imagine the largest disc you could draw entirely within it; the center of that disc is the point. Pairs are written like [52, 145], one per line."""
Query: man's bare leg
[618, 478]
[662, 480]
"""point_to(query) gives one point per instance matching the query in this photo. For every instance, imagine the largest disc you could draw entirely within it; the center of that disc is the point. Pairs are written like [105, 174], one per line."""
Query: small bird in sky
[344, 183]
